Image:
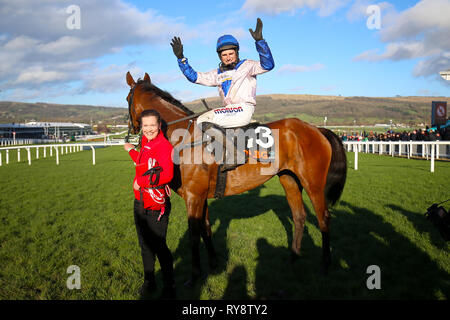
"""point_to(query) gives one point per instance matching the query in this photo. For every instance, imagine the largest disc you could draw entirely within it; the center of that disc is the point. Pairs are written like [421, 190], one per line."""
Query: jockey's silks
[153, 153]
[238, 85]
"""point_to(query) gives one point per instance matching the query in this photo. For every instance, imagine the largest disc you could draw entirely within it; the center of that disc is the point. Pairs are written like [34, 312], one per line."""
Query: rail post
[29, 156]
[432, 157]
[93, 155]
[57, 155]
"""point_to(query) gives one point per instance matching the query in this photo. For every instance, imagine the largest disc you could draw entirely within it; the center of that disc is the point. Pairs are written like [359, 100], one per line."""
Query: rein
[192, 144]
[130, 103]
[187, 118]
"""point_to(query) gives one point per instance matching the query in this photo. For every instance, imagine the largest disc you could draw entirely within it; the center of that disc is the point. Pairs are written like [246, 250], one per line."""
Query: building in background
[43, 130]
[445, 74]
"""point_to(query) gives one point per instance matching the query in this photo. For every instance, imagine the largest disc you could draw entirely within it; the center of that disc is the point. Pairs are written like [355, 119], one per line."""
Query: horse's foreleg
[194, 208]
[194, 242]
[207, 237]
[293, 191]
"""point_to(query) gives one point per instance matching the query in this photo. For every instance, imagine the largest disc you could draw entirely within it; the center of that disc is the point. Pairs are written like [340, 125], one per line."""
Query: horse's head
[133, 103]
[145, 95]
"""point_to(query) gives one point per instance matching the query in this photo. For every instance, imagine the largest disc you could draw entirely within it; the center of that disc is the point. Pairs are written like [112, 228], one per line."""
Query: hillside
[311, 108]
[22, 111]
[339, 110]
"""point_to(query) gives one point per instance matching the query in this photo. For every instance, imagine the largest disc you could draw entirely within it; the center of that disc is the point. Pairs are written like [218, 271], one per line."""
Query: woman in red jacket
[154, 170]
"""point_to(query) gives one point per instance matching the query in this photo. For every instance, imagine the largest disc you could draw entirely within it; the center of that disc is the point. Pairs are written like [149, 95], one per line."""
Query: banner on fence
[438, 113]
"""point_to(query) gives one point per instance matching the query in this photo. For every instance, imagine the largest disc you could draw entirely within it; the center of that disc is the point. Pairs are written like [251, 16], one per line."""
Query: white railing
[425, 149]
[4, 142]
[59, 149]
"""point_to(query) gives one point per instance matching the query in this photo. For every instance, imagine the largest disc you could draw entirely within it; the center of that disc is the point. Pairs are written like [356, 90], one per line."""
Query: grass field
[75, 213]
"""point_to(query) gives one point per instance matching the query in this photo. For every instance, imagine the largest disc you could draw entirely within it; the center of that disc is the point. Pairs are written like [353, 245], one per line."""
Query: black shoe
[147, 288]
[168, 293]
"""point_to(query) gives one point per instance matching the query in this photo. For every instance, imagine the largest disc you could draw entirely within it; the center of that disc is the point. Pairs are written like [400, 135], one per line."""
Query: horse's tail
[337, 172]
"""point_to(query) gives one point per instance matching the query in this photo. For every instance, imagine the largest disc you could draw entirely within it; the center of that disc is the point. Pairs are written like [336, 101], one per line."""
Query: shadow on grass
[359, 238]
[421, 224]
[237, 285]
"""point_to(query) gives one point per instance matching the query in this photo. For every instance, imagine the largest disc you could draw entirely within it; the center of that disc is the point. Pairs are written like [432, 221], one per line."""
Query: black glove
[257, 34]
[177, 47]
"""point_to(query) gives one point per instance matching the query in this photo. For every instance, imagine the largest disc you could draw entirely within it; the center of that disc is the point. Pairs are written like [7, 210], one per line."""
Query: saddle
[253, 140]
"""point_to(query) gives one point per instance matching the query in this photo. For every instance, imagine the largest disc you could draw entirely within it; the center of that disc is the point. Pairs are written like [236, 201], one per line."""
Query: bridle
[130, 103]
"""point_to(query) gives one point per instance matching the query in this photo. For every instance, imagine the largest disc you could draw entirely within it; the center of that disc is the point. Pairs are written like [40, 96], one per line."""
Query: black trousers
[152, 240]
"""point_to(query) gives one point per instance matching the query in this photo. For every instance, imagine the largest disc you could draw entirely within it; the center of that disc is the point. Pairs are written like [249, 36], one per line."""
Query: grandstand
[43, 130]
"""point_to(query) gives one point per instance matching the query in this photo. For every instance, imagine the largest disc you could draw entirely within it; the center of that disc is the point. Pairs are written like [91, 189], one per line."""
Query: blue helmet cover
[227, 40]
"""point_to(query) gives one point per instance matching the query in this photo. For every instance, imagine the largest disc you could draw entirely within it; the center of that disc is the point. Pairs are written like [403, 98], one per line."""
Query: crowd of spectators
[415, 135]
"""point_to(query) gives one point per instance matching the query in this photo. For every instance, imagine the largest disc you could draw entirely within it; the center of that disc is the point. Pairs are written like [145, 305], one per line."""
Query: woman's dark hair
[150, 113]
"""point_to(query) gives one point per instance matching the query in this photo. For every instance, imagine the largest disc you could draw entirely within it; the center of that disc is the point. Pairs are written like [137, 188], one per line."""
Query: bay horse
[309, 158]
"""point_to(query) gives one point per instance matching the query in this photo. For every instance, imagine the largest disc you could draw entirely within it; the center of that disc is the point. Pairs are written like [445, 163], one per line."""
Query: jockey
[235, 80]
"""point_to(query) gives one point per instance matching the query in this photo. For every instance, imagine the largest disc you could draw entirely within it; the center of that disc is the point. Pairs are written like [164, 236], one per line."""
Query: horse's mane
[164, 95]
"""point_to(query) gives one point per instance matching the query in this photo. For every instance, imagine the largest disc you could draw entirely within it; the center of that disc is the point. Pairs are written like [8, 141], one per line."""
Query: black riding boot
[149, 285]
[230, 159]
[168, 291]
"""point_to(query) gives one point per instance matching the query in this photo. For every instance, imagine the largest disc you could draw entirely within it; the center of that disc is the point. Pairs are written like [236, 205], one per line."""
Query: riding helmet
[226, 42]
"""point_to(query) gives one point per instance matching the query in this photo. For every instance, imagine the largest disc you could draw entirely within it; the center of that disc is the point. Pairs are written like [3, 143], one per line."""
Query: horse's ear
[147, 77]
[130, 80]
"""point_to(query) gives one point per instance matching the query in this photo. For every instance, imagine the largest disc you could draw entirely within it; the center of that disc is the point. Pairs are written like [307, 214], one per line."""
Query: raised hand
[177, 47]
[257, 34]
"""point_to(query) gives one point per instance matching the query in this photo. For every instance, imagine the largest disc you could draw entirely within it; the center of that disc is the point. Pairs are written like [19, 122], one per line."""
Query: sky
[78, 52]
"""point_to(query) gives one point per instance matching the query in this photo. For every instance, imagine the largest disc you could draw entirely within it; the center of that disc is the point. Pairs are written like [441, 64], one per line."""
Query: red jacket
[153, 153]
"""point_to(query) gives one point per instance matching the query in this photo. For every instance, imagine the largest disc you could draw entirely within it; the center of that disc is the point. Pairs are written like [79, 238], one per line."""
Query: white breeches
[233, 115]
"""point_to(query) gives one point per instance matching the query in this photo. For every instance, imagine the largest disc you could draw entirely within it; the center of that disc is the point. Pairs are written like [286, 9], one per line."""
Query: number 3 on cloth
[267, 133]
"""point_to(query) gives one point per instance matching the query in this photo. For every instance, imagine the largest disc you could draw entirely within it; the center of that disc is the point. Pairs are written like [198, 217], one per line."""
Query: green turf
[54, 216]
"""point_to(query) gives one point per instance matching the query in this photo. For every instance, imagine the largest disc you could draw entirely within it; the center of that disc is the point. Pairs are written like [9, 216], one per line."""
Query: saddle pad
[255, 140]
[259, 142]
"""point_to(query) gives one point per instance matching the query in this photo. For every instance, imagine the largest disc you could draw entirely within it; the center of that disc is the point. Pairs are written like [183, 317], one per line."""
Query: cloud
[108, 79]
[396, 51]
[289, 68]
[421, 31]
[433, 65]
[358, 10]
[275, 7]
[38, 49]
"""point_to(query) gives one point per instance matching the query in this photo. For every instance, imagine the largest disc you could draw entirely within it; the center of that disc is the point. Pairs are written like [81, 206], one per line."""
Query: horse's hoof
[294, 257]
[325, 267]
[213, 264]
[190, 283]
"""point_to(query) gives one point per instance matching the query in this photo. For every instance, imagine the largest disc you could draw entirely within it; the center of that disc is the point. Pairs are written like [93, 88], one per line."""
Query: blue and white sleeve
[265, 56]
[187, 70]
